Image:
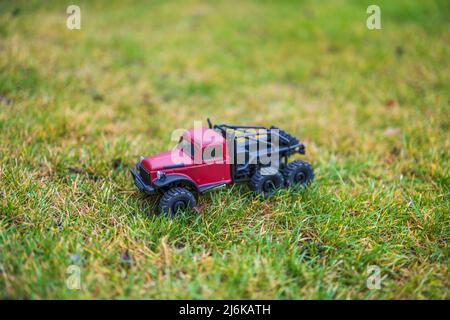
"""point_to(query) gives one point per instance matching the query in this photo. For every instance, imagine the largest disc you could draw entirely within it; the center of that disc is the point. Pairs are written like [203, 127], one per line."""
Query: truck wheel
[298, 173]
[266, 181]
[175, 200]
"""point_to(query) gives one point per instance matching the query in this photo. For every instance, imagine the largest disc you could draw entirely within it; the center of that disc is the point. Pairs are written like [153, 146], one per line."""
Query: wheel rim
[300, 177]
[268, 186]
[179, 205]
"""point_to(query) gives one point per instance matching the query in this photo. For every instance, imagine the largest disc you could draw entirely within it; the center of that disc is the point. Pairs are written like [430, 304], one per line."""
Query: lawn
[78, 108]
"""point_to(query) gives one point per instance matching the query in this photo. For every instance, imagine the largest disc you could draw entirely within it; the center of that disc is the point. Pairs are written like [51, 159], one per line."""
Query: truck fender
[171, 178]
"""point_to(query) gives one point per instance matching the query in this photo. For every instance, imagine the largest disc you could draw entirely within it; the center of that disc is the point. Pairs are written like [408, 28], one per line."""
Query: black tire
[298, 173]
[175, 200]
[266, 181]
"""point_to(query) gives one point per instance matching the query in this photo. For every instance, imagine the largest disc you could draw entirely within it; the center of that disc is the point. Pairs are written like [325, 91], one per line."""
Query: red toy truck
[209, 158]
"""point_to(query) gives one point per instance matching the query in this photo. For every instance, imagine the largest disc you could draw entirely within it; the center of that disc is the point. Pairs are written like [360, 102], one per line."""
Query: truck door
[215, 167]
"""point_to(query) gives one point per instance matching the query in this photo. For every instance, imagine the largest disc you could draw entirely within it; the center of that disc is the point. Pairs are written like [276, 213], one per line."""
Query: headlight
[160, 175]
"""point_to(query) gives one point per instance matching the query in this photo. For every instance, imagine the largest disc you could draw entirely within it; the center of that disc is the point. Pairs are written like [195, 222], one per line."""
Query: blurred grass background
[78, 107]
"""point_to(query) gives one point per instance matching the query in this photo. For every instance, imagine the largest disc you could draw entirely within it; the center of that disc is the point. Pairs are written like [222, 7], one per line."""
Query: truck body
[209, 158]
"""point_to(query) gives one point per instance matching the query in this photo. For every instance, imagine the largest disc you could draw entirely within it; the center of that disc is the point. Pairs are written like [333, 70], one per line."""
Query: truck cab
[199, 161]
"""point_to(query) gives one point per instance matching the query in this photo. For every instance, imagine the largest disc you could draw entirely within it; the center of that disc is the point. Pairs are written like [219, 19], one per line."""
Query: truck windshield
[188, 147]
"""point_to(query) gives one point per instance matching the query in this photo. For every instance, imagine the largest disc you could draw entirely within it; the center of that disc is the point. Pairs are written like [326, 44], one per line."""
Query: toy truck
[213, 157]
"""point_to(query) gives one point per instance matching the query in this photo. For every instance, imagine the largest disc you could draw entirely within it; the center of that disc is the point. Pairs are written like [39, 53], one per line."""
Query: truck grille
[144, 174]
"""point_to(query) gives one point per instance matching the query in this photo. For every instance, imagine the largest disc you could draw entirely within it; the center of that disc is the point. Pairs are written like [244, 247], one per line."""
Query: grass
[78, 107]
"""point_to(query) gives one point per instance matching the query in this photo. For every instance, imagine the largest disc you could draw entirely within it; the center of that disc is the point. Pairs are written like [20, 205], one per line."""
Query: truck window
[209, 154]
[213, 153]
[188, 147]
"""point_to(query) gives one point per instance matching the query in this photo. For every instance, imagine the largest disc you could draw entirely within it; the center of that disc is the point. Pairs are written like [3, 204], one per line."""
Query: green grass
[77, 108]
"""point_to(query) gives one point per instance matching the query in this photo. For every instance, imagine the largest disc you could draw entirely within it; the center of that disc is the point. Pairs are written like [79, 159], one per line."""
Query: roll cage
[250, 143]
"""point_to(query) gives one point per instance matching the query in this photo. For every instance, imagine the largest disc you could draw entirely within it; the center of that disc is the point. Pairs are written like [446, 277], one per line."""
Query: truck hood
[165, 160]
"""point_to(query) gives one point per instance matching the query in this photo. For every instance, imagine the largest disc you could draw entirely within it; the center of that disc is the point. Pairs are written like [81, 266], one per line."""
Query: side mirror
[209, 123]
